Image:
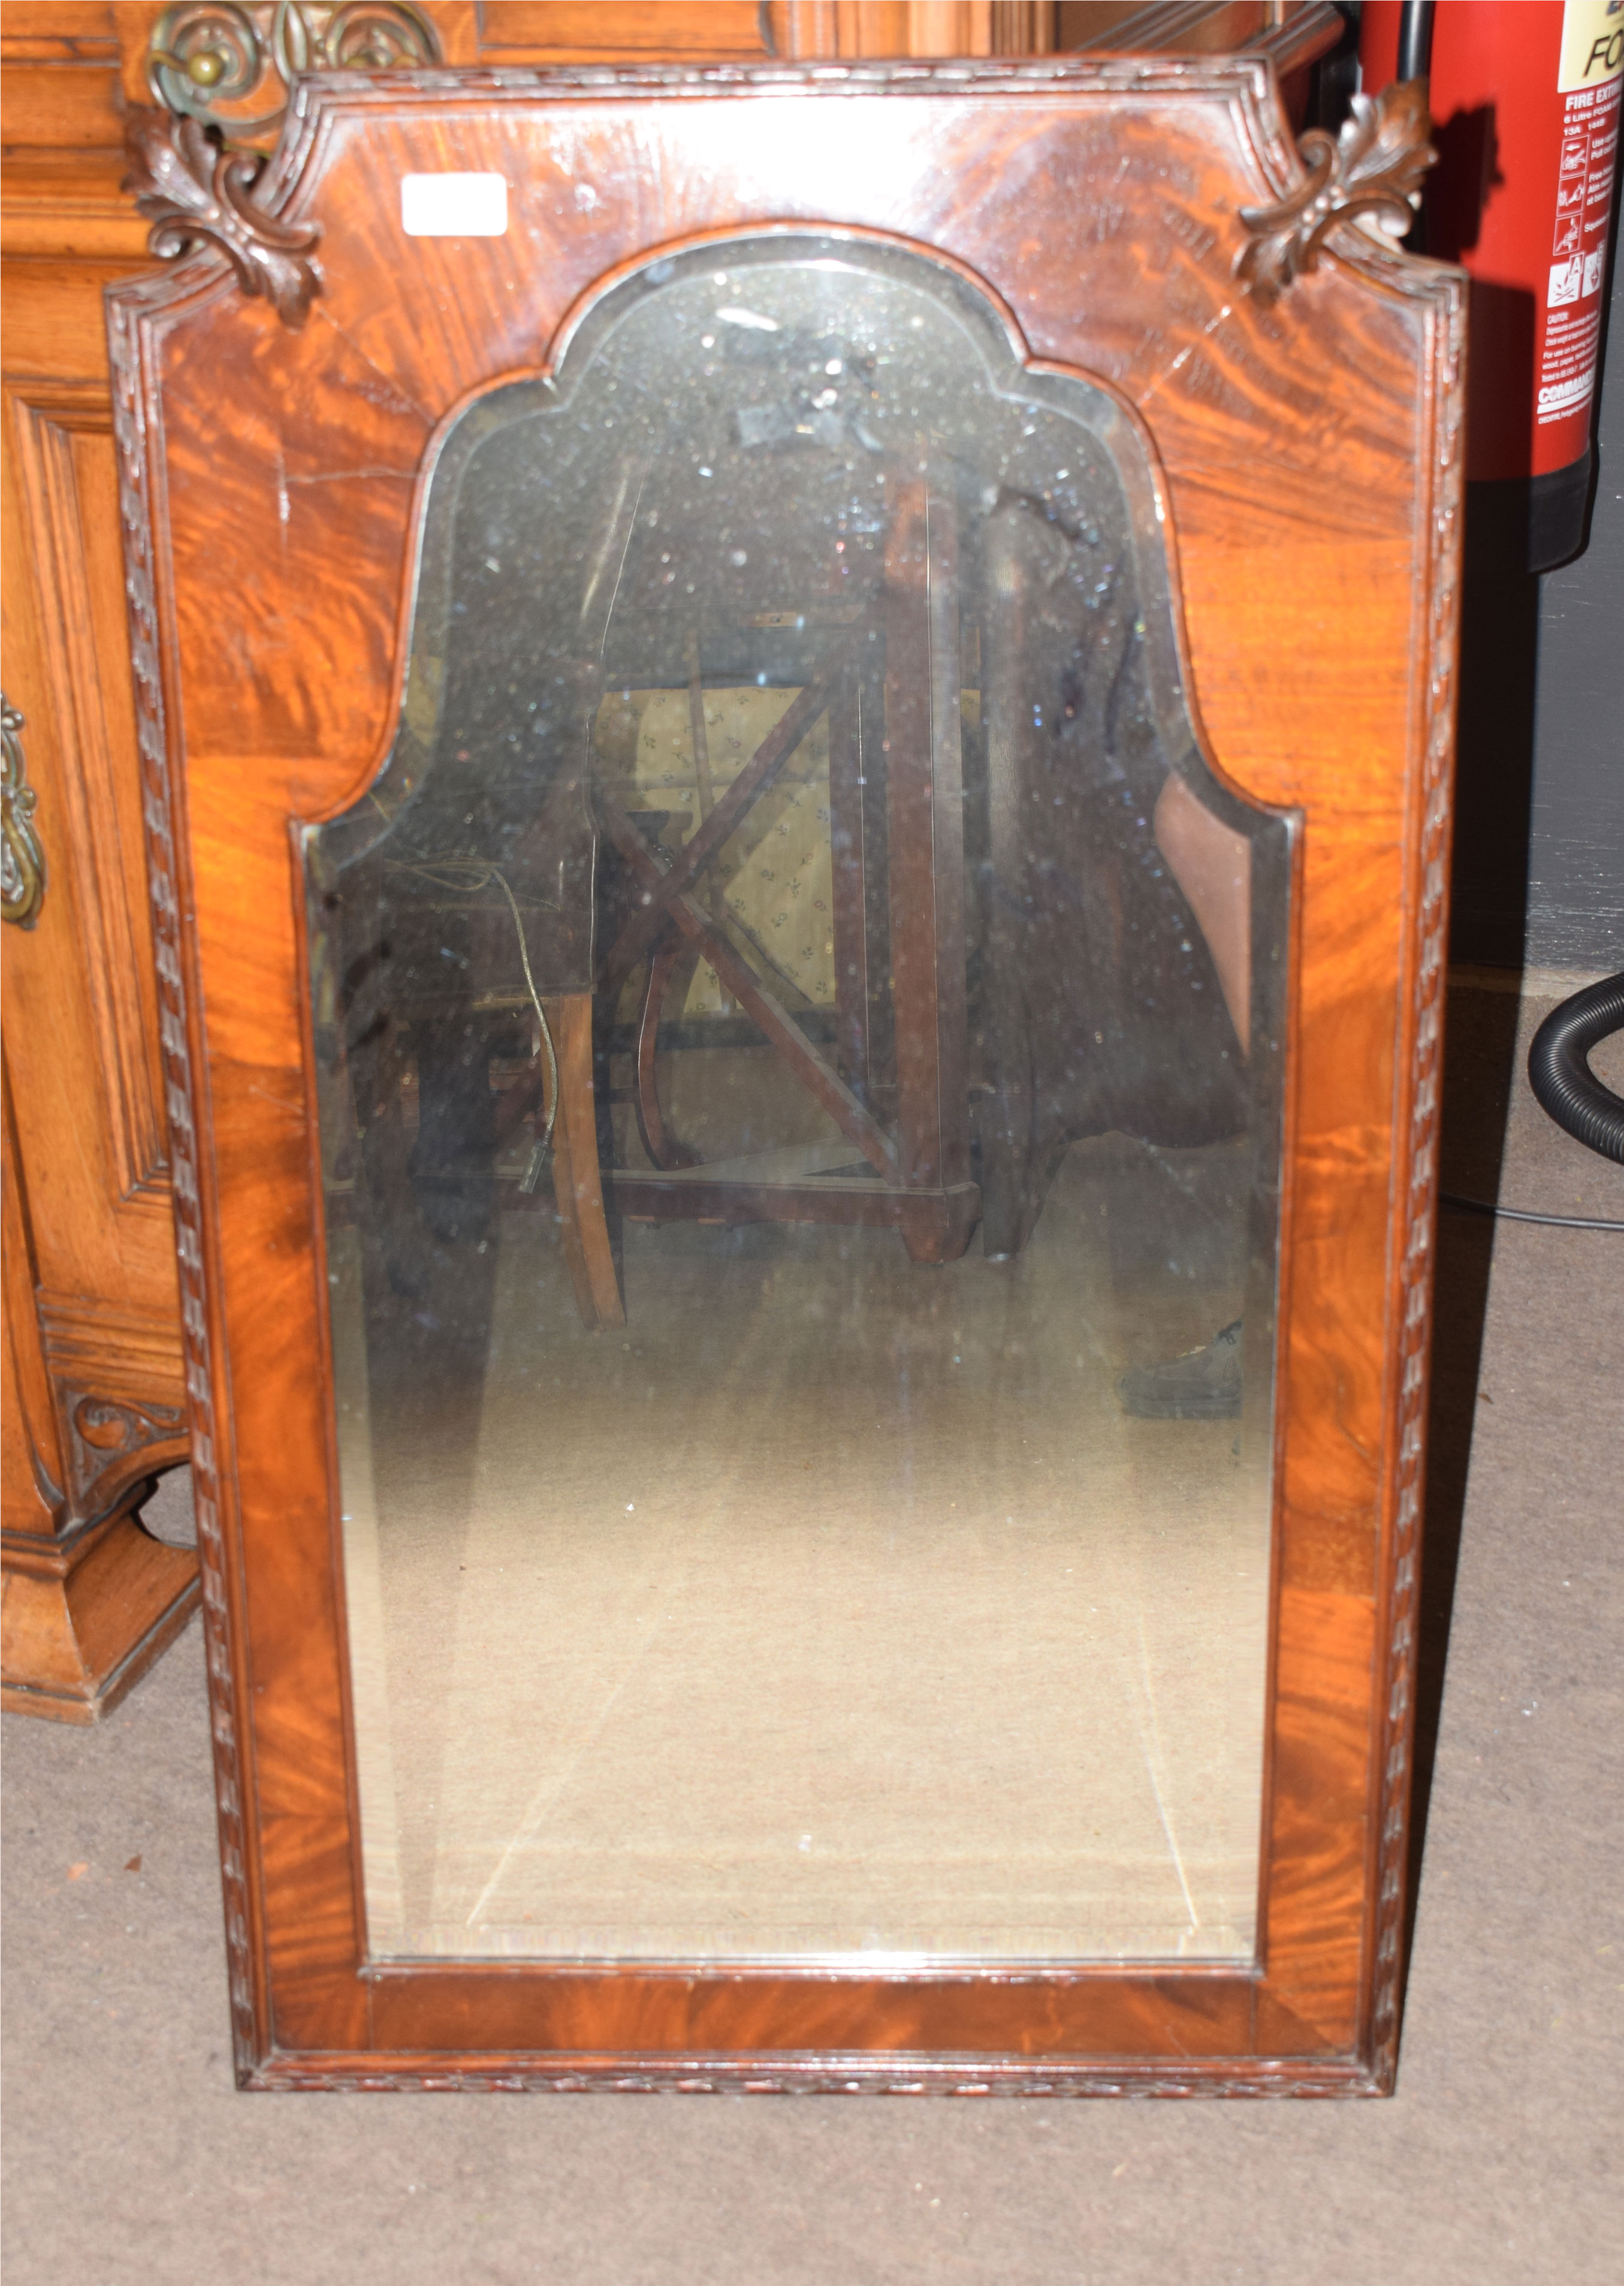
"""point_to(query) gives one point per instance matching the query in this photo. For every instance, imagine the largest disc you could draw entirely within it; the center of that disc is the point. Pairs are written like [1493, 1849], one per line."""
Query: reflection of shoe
[1203, 1385]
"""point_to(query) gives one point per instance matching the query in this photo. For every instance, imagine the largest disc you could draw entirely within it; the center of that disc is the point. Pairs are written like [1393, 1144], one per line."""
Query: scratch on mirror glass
[1151, 1746]
[558, 1783]
[611, 526]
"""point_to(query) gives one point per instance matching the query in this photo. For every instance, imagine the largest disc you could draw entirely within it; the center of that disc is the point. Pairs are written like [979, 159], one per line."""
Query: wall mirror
[657, 1625]
[802, 1244]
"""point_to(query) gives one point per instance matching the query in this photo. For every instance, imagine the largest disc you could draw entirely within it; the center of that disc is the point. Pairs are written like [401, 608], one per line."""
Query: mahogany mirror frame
[1297, 381]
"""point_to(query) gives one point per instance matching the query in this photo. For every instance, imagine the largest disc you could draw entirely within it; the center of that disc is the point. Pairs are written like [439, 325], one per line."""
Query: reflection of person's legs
[453, 1161]
[1213, 865]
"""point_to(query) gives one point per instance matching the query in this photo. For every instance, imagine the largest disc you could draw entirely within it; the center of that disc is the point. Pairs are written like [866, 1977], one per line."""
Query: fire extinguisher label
[1592, 44]
[1589, 78]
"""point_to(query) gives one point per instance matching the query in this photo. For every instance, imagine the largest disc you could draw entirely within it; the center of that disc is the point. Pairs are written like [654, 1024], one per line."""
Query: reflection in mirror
[798, 1025]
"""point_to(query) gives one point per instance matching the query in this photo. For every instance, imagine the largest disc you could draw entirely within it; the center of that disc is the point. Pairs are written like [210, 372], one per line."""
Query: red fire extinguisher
[1525, 99]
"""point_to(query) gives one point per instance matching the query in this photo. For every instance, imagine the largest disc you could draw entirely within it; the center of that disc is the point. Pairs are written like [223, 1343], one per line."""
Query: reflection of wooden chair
[889, 687]
[455, 959]
[449, 964]
[461, 1127]
[463, 1130]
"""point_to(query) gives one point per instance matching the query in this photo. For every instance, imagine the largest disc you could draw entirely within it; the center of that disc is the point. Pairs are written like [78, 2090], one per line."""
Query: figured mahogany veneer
[1308, 453]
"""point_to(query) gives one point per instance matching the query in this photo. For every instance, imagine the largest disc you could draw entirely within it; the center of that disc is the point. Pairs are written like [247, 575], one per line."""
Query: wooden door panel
[83, 1058]
[94, 1393]
[31, 1450]
[69, 485]
[92, 1308]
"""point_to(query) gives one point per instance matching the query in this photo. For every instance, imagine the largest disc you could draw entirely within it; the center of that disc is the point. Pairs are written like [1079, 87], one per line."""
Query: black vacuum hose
[1561, 1078]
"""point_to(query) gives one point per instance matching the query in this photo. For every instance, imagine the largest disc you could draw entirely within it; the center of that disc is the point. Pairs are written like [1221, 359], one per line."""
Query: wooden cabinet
[95, 1391]
[95, 1383]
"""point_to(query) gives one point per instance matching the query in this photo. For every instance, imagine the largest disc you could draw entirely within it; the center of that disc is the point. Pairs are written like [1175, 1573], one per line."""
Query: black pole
[1416, 39]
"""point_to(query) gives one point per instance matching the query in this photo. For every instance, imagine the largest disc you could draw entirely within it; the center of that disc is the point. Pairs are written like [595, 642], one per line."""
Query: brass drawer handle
[22, 861]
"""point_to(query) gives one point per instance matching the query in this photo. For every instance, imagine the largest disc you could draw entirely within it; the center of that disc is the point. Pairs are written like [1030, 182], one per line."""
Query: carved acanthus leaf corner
[195, 194]
[1375, 166]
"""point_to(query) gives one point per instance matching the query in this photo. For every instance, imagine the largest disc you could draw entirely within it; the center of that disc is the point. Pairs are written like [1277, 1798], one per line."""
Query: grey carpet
[129, 2161]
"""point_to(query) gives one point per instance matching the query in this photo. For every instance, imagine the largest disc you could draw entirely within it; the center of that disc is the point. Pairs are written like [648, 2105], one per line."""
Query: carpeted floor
[130, 2160]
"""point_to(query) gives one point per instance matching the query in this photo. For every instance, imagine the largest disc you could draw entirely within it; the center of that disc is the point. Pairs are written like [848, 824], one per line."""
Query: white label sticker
[1592, 44]
[454, 206]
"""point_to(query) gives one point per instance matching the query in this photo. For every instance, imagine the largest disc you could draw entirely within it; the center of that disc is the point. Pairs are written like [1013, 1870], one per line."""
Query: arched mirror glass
[797, 1024]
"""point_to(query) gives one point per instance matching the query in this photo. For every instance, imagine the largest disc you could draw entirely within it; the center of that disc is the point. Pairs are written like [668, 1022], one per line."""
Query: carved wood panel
[69, 486]
[94, 1389]
[91, 1288]
[91, 1337]
[34, 1476]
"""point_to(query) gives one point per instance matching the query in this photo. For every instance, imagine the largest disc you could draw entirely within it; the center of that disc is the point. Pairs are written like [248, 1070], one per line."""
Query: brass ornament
[1375, 166]
[22, 861]
[197, 196]
[213, 60]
